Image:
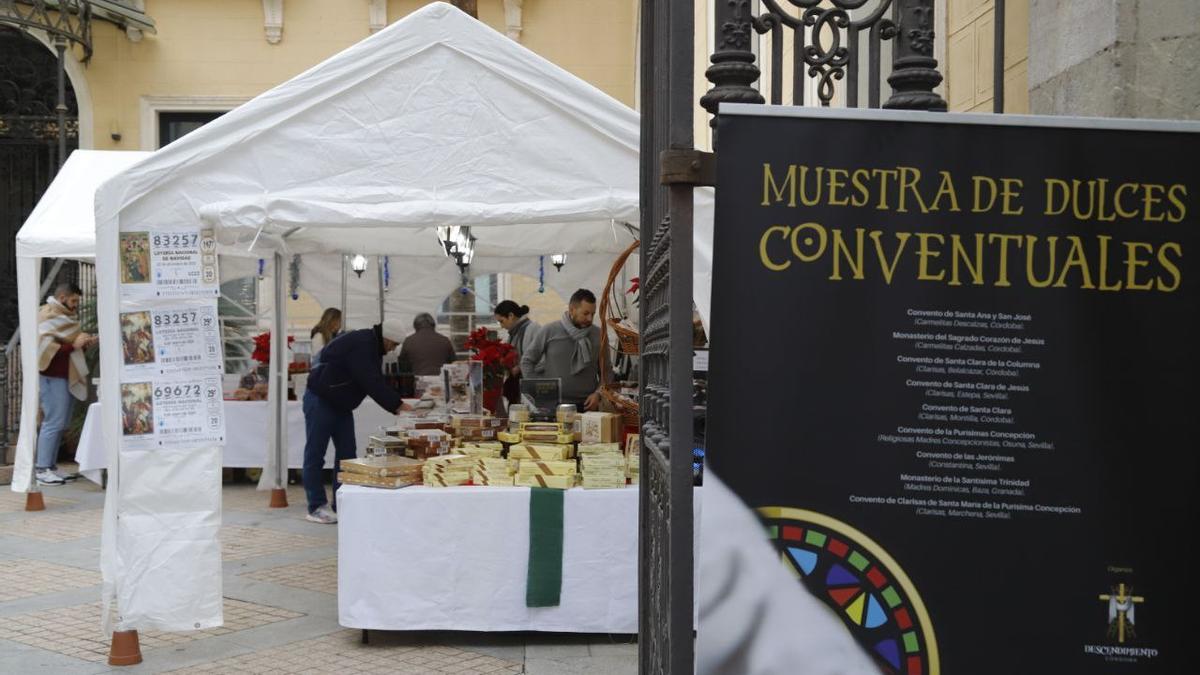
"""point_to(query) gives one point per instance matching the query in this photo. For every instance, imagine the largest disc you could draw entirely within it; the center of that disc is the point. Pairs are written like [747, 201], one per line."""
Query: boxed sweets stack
[518, 414]
[560, 474]
[383, 472]
[426, 443]
[601, 427]
[633, 456]
[447, 470]
[476, 427]
[380, 446]
[602, 464]
[492, 471]
[546, 432]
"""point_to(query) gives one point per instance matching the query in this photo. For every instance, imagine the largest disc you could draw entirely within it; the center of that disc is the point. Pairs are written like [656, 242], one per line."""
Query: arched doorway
[29, 152]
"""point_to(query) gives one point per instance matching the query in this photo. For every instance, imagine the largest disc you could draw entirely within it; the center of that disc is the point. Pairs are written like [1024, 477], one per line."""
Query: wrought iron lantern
[359, 264]
[458, 244]
[558, 260]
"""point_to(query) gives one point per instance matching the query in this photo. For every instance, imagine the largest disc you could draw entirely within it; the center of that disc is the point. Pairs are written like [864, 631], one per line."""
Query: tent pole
[379, 268]
[345, 310]
[279, 370]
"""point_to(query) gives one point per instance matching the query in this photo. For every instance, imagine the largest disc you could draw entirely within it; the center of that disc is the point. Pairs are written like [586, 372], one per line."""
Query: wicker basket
[627, 342]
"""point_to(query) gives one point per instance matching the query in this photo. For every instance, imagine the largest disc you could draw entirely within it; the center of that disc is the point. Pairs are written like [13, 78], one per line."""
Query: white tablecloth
[246, 435]
[456, 559]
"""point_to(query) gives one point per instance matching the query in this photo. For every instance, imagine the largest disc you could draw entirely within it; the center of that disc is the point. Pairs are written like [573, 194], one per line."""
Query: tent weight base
[279, 498]
[125, 650]
[34, 501]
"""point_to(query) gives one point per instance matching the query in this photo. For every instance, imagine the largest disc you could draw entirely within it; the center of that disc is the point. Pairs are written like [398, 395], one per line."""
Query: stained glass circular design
[862, 583]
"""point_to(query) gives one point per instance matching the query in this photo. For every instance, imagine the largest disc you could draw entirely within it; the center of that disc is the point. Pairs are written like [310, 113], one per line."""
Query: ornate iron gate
[812, 45]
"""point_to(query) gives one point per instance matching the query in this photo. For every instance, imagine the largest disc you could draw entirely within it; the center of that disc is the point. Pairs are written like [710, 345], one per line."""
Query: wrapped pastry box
[390, 482]
[540, 451]
[601, 427]
[508, 437]
[548, 467]
[557, 482]
[383, 466]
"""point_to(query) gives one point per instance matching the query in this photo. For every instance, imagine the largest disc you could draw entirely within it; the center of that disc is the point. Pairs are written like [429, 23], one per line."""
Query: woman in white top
[325, 330]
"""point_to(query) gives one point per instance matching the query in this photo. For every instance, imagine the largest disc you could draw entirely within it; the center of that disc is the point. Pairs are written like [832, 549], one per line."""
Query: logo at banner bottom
[862, 583]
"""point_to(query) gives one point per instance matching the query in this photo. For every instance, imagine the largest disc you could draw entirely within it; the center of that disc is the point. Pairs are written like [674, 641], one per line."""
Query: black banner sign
[952, 367]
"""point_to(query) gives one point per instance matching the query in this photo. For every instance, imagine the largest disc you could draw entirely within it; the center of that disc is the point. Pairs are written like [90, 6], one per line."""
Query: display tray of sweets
[599, 449]
[383, 466]
[390, 482]
[557, 482]
[549, 467]
[540, 451]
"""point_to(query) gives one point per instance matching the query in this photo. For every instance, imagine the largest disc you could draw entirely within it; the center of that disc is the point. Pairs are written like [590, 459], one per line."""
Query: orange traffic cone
[279, 498]
[34, 501]
[125, 650]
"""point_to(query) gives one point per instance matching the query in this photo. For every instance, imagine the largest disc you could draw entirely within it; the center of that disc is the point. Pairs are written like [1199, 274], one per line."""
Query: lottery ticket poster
[172, 361]
[169, 263]
[170, 342]
[172, 414]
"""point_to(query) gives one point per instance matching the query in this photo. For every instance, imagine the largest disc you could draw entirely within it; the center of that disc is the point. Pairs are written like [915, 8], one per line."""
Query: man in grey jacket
[569, 349]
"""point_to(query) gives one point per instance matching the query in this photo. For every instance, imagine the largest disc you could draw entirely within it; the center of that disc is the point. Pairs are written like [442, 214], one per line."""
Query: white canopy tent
[62, 225]
[436, 120]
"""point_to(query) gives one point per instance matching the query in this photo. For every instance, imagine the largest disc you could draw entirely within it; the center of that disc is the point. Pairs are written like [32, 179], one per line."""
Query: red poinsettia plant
[498, 357]
[262, 347]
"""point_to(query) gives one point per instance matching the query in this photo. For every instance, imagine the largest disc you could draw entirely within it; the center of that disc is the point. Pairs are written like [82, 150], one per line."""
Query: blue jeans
[323, 423]
[56, 402]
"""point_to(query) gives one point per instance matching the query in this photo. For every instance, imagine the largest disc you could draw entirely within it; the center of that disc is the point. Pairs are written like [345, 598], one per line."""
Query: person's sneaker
[322, 515]
[48, 477]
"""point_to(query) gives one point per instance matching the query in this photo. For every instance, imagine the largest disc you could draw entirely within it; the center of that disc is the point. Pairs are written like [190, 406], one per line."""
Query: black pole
[914, 70]
[61, 47]
[998, 59]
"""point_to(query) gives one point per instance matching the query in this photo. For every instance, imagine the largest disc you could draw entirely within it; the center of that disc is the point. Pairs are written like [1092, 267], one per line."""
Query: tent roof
[436, 120]
[63, 224]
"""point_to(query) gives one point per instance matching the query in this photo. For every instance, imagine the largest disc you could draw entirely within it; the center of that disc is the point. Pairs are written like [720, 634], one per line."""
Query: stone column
[1121, 58]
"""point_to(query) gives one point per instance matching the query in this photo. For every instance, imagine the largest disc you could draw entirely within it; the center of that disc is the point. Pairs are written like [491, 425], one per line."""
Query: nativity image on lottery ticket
[137, 409]
[137, 338]
[135, 257]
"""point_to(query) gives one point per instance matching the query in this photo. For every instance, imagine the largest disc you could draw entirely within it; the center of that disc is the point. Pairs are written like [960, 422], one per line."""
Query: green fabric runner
[543, 586]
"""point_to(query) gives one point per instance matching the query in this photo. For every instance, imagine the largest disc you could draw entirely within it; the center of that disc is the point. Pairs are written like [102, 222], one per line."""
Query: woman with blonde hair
[326, 329]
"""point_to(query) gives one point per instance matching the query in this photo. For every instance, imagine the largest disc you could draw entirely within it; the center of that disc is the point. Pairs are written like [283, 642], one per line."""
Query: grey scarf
[583, 357]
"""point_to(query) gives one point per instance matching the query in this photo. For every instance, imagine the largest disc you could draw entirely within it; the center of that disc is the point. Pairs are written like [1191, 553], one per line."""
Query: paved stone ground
[280, 587]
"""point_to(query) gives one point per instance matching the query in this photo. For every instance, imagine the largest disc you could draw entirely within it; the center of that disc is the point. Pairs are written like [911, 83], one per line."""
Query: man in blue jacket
[351, 369]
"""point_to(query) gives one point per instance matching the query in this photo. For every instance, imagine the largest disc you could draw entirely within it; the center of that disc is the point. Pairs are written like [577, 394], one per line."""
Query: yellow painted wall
[218, 48]
[970, 41]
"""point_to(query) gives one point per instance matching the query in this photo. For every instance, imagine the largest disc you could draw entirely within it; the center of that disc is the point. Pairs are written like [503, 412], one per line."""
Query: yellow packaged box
[599, 449]
[492, 481]
[602, 482]
[507, 437]
[533, 467]
[540, 451]
[557, 482]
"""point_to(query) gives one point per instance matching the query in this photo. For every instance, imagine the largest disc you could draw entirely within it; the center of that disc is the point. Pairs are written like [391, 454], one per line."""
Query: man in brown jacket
[426, 350]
